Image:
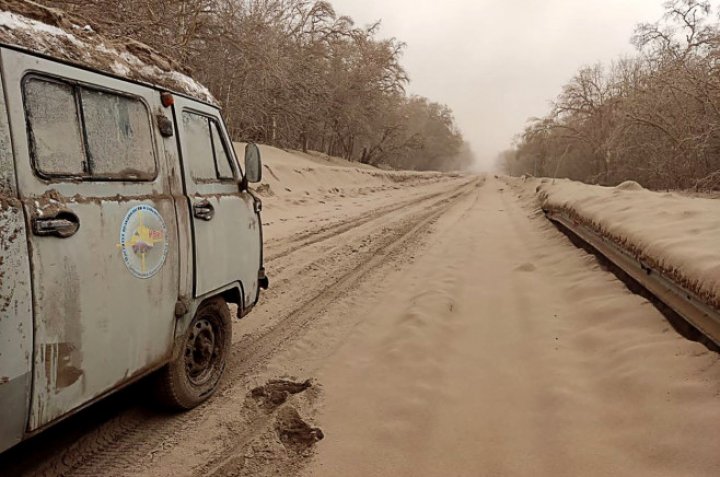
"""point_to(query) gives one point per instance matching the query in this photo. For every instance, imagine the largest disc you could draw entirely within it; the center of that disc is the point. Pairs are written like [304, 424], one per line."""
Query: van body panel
[103, 301]
[227, 248]
[86, 304]
[16, 326]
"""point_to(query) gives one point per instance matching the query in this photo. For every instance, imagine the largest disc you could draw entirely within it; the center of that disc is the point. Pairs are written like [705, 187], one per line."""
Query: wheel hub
[200, 351]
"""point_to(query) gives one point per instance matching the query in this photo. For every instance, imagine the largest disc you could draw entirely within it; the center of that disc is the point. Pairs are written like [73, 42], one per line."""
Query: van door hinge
[165, 126]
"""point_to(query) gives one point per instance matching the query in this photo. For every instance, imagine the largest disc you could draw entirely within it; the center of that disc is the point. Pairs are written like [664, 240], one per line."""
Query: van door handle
[63, 225]
[203, 210]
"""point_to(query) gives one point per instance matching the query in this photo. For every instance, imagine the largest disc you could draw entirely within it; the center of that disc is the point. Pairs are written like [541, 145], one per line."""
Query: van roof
[53, 33]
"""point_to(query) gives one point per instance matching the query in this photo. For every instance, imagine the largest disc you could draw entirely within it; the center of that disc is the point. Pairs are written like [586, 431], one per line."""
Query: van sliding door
[104, 251]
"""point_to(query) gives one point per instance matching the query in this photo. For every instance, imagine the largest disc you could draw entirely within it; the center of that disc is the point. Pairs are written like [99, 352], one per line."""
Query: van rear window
[79, 131]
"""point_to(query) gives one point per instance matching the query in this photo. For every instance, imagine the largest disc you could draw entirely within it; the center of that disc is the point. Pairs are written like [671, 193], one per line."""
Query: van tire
[199, 358]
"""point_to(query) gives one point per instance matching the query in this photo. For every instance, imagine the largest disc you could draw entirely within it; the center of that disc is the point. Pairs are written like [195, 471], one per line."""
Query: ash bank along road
[448, 330]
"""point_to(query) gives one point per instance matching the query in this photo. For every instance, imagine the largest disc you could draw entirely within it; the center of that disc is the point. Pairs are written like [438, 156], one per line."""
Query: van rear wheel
[199, 358]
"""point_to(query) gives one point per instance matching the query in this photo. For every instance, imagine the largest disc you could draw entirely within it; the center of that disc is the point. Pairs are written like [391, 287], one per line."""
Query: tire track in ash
[252, 351]
[232, 458]
[127, 439]
[311, 237]
[312, 259]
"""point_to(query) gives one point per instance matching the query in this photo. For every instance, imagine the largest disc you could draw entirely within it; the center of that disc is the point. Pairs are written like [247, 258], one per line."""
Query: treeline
[294, 74]
[653, 118]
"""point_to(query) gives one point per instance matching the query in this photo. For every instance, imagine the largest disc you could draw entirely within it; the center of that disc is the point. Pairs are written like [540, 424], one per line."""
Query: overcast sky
[497, 63]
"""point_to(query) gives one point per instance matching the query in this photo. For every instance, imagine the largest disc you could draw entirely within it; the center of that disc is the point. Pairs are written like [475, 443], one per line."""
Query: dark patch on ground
[277, 391]
[526, 267]
[294, 432]
[264, 190]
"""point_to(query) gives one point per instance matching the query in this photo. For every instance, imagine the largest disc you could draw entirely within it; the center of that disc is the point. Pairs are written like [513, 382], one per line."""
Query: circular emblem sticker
[143, 241]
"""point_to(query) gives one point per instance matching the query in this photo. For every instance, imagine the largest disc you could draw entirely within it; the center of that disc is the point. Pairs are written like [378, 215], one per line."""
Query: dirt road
[447, 329]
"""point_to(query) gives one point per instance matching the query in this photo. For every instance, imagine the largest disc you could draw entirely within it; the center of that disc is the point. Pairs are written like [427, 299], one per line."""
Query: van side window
[221, 156]
[119, 137]
[54, 128]
[209, 161]
[82, 132]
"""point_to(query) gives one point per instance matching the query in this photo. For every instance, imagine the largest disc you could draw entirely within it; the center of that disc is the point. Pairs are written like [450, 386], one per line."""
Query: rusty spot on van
[69, 363]
[63, 361]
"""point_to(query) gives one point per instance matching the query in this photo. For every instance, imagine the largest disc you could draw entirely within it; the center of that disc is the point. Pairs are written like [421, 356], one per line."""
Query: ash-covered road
[448, 329]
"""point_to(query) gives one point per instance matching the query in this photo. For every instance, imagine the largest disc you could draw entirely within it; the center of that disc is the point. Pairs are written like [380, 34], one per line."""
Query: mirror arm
[244, 183]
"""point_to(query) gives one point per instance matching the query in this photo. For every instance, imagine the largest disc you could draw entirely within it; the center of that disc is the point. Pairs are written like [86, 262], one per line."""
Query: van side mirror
[253, 165]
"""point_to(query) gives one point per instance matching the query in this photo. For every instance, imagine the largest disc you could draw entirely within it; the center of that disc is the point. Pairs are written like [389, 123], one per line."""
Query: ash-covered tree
[654, 118]
[294, 74]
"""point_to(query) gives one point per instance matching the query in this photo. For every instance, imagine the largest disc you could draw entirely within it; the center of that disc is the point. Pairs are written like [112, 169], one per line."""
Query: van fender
[232, 293]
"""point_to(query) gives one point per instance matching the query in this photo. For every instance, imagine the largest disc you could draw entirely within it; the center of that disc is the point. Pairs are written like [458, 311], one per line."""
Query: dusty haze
[498, 63]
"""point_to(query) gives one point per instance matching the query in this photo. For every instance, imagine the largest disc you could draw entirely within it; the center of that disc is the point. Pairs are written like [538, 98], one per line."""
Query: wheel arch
[231, 293]
[235, 295]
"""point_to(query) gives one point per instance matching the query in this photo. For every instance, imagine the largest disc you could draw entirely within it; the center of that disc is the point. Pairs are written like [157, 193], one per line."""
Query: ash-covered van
[126, 226]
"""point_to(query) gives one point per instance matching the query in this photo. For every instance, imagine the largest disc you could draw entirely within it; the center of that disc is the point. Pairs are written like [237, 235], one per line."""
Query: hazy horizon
[497, 65]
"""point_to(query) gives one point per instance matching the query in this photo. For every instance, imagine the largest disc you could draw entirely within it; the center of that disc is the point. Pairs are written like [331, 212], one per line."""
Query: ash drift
[675, 236]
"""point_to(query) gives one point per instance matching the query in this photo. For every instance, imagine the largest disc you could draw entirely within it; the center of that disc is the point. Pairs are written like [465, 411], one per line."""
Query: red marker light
[167, 99]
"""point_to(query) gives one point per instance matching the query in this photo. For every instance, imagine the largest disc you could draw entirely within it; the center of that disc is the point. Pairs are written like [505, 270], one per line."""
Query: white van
[126, 227]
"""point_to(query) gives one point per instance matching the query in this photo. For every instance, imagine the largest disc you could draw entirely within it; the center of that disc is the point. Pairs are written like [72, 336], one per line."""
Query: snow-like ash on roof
[52, 32]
